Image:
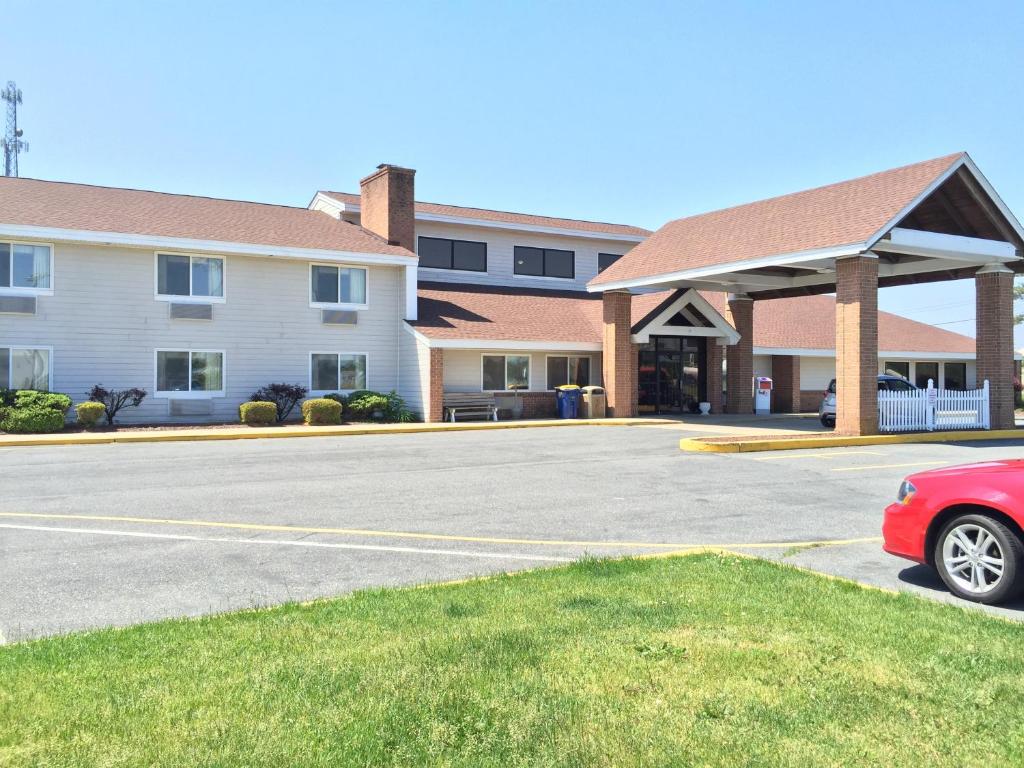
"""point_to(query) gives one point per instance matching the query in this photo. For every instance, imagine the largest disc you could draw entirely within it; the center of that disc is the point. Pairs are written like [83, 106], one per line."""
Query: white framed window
[26, 367]
[189, 373]
[26, 268]
[187, 277]
[568, 369]
[502, 372]
[338, 286]
[336, 372]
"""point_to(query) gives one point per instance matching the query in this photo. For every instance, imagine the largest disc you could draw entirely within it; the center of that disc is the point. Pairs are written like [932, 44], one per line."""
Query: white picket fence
[930, 409]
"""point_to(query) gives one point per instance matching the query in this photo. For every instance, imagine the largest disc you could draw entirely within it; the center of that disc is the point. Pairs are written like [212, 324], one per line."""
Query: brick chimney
[386, 205]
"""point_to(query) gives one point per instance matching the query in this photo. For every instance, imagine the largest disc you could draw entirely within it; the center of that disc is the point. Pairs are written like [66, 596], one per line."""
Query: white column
[411, 302]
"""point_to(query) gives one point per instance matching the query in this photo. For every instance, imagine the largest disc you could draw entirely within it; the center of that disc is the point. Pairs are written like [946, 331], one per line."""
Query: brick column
[433, 408]
[619, 359]
[713, 375]
[993, 285]
[786, 383]
[739, 357]
[857, 345]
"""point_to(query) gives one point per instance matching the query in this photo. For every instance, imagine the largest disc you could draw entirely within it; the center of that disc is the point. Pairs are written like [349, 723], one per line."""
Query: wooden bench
[469, 404]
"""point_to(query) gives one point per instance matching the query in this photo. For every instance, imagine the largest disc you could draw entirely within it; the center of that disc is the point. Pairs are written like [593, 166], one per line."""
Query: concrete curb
[258, 433]
[741, 445]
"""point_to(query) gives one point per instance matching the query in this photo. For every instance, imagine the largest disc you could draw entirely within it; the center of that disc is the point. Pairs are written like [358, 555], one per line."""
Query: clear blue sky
[635, 113]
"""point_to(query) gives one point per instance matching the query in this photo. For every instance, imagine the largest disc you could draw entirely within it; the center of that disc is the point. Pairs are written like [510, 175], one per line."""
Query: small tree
[114, 400]
[283, 396]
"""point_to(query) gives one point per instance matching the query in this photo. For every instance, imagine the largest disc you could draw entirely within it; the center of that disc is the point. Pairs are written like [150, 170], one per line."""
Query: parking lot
[116, 534]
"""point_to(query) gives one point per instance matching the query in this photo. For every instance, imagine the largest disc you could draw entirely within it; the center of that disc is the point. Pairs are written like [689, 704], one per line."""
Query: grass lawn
[700, 660]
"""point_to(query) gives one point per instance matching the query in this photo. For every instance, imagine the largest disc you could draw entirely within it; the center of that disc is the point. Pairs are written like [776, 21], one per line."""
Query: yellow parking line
[819, 455]
[887, 466]
[435, 536]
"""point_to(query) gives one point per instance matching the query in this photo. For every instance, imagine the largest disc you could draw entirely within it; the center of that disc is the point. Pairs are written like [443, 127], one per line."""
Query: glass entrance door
[669, 378]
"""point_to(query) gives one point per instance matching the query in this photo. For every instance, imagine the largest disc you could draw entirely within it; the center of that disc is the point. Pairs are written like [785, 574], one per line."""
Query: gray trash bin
[594, 403]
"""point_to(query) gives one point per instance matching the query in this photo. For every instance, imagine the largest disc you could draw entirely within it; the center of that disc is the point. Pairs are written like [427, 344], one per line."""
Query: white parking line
[291, 543]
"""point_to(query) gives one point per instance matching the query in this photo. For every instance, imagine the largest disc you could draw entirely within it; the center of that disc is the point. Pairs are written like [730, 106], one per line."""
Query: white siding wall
[817, 372]
[104, 325]
[413, 372]
[500, 248]
[463, 372]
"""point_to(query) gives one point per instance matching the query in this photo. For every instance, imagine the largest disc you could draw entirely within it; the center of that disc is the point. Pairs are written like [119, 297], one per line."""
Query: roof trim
[782, 259]
[656, 320]
[468, 221]
[207, 246]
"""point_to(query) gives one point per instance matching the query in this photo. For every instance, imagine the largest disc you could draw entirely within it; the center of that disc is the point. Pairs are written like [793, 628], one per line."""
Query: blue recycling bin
[569, 397]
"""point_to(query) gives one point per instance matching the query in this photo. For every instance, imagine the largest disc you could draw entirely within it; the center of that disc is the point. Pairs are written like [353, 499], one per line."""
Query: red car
[967, 522]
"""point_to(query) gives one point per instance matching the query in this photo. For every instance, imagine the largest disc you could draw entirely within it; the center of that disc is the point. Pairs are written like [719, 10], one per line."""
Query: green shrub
[321, 411]
[338, 398]
[89, 413]
[32, 420]
[32, 398]
[366, 404]
[390, 407]
[6, 397]
[257, 413]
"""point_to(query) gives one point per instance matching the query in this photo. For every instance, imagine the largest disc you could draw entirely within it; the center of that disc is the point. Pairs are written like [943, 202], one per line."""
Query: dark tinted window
[895, 385]
[435, 253]
[544, 262]
[5, 266]
[898, 368]
[605, 260]
[925, 371]
[559, 264]
[441, 253]
[956, 375]
[325, 285]
[172, 275]
[493, 372]
[469, 256]
[529, 261]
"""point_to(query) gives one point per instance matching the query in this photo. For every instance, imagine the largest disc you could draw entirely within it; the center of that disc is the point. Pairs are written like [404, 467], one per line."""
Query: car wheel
[979, 559]
[828, 421]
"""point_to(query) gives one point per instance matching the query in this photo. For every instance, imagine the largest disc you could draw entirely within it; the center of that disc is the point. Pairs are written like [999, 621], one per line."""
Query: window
[605, 260]
[544, 262]
[336, 372]
[189, 373]
[25, 368]
[181, 276]
[439, 253]
[568, 369]
[25, 267]
[337, 286]
[898, 369]
[925, 371]
[502, 372]
[956, 375]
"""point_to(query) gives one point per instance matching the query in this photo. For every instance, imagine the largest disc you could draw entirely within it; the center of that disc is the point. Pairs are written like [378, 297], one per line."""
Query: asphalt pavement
[102, 535]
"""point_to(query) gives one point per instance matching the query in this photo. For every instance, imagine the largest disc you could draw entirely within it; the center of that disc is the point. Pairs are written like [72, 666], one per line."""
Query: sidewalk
[128, 435]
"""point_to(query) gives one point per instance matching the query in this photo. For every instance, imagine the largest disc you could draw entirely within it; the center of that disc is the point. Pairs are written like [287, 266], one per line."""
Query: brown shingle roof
[846, 213]
[32, 202]
[497, 313]
[809, 322]
[508, 217]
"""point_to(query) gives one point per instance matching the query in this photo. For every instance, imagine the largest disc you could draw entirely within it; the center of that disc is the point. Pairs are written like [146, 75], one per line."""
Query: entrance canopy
[936, 220]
